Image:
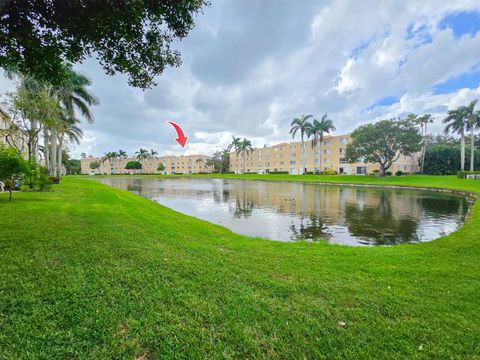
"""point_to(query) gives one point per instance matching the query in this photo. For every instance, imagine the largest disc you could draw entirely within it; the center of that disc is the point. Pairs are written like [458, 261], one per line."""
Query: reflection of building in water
[349, 215]
[188, 164]
[288, 157]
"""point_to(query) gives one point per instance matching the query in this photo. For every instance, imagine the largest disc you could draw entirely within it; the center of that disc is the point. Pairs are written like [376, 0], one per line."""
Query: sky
[250, 67]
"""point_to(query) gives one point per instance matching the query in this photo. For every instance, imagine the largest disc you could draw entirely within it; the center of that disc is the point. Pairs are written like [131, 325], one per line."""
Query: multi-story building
[288, 157]
[184, 164]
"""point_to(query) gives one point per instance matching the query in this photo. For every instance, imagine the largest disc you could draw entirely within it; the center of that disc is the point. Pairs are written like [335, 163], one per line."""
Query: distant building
[188, 164]
[287, 157]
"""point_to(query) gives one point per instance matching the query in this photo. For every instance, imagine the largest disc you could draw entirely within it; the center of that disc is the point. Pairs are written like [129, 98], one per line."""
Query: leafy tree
[384, 142]
[12, 168]
[444, 158]
[133, 165]
[220, 161]
[95, 165]
[161, 167]
[304, 126]
[317, 131]
[73, 166]
[130, 37]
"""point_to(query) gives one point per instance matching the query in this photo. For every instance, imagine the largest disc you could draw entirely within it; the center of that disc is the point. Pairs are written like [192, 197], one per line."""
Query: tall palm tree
[317, 131]
[455, 121]
[303, 125]
[74, 98]
[234, 145]
[244, 147]
[142, 155]
[473, 123]
[122, 154]
[423, 122]
[67, 130]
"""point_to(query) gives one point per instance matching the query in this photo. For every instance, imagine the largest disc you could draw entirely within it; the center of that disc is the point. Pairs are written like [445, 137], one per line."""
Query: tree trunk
[46, 149]
[382, 170]
[321, 154]
[10, 196]
[472, 148]
[34, 141]
[462, 151]
[59, 155]
[244, 162]
[53, 154]
[303, 157]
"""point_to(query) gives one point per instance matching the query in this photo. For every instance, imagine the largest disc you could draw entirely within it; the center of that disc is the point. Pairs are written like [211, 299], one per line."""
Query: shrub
[279, 172]
[388, 173]
[463, 174]
[376, 171]
[330, 172]
[398, 173]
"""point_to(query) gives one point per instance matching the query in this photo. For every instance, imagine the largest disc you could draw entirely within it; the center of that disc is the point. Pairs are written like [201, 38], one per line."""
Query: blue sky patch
[469, 80]
[386, 101]
[461, 23]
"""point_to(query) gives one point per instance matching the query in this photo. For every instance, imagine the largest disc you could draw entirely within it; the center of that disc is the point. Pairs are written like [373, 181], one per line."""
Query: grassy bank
[88, 271]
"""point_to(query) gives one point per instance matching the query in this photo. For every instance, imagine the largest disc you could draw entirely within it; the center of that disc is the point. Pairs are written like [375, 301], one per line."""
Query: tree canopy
[133, 165]
[384, 142]
[130, 37]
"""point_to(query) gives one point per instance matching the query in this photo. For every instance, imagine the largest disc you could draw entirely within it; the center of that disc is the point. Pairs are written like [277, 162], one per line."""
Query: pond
[289, 211]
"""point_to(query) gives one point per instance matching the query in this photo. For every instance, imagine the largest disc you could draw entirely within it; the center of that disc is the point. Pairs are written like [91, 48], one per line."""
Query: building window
[343, 161]
[344, 141]
[292, 162]
[326, 151]
[326, 142]
[361, 170]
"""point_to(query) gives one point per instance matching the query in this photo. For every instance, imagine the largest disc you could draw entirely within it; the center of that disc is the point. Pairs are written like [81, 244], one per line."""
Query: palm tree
[317, 131]
[122, 154]
[473, 123]
[70, 131]
[153, 154]
[423, 121]
[303, 125]
[235, 145]
[244, 147]
[142, 154]
[74, 97]
[456, 124]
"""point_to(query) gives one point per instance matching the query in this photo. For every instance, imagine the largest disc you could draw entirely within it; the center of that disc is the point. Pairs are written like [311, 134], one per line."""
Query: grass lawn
[92, 272]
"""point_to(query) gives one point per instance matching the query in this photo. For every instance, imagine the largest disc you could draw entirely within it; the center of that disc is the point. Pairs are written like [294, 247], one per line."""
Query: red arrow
[181, 138]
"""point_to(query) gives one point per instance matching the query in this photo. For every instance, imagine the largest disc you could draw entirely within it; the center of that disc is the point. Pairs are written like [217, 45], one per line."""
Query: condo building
[287, 157]
[184, 164]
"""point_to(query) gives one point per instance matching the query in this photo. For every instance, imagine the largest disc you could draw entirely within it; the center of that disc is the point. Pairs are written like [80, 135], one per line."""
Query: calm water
[294, 211]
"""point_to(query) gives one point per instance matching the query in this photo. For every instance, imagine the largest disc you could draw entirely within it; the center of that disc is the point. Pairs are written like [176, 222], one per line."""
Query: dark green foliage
[444, 159]
[463, 174]
[383, 142]
[13, 168]
[73, 166]
[131, 37]
[133, 165]
[275, 172]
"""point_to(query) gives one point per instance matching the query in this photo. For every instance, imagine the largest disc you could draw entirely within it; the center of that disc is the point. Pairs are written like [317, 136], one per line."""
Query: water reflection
[295, 211]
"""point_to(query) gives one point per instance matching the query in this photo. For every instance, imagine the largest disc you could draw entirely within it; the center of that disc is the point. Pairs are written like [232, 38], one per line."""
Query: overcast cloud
[249, 67]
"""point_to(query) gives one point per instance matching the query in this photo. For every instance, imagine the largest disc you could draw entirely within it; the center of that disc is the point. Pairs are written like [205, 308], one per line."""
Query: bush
[398, 173]
[388, 173]
[463, 174]
[376, 171]
[330, 172]
[279, 172]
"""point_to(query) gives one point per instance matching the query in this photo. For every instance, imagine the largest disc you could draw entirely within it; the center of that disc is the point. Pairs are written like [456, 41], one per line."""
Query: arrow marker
[181, 138]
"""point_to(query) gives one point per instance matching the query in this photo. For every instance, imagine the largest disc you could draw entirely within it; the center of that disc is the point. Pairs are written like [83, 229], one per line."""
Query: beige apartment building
[184, 164]
[288, 157]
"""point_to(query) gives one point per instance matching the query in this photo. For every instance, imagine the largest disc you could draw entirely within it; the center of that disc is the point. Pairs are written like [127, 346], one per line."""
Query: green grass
[93, 272]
